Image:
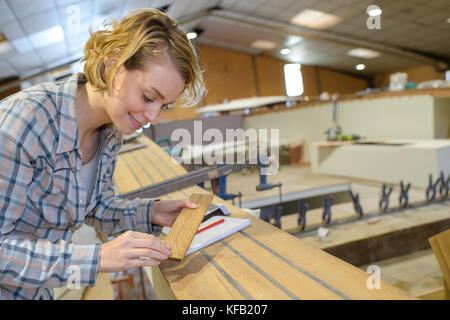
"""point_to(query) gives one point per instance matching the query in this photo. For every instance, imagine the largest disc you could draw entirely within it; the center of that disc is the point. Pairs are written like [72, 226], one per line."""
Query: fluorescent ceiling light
[315, 19]
[360, 66]
[48, 36]
[263, 44]
[363, 53]
[285, 51]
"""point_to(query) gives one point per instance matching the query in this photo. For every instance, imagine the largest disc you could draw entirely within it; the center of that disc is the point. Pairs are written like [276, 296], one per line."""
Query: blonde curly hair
[139, 36]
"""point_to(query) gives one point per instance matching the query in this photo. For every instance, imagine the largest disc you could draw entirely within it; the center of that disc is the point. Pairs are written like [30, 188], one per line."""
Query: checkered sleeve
[114, 215]
[28, 262]
[37, 263]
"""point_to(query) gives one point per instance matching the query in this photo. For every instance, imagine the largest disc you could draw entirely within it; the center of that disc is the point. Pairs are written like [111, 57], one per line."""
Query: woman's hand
[165, 212]
[131, 250]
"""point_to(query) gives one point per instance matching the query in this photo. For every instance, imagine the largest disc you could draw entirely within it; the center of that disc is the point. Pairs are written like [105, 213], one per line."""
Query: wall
[416, 75]
[332, 82]
[399, 117]
[13, 89]
[442, 118]
[233, 75]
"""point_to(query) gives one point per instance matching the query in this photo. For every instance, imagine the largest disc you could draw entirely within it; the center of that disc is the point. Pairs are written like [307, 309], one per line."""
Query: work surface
[260, 262]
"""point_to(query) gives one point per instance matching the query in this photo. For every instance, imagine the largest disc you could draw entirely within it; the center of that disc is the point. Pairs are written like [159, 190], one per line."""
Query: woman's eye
[147, 99]
[167, 106]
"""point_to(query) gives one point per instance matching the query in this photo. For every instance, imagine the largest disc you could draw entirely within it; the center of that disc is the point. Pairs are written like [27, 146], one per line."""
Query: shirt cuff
[143, 220]
[83, 266]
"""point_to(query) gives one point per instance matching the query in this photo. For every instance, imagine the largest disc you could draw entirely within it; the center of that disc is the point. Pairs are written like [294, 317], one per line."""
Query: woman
[59, 149]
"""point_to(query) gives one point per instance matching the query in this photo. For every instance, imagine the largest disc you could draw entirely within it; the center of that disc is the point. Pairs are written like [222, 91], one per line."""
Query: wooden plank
[435, 294]
[441, 247]
[186, 225]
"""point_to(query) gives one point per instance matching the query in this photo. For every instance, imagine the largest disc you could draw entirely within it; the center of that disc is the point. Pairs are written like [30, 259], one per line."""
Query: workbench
[259, 262]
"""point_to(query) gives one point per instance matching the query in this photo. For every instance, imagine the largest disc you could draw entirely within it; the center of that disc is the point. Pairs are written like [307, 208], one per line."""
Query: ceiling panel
[39, 22]
[24, 8]
[6, 15]
[415, 25]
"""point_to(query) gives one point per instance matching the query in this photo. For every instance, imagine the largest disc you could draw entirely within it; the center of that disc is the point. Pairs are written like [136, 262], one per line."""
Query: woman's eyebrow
[158, 93]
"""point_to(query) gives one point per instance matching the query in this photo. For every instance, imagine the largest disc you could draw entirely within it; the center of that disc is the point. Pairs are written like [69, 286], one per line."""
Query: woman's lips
[136, 124]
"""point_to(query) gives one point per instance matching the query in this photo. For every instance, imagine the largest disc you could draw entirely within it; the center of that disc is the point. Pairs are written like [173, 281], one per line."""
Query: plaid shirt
[42, 199]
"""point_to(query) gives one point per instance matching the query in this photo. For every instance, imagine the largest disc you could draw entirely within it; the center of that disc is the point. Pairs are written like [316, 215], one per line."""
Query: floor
[415, 273]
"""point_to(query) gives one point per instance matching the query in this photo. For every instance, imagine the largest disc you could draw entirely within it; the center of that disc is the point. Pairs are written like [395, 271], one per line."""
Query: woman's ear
[111, 60]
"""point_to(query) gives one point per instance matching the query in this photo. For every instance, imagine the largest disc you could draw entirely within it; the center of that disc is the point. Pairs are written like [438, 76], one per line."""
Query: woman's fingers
[144, 240]
[189, 204]
[147, 253]
[141, 262]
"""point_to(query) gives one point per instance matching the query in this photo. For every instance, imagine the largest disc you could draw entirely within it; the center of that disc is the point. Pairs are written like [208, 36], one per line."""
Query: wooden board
[441, 247]
[186, 225]
[260, 262]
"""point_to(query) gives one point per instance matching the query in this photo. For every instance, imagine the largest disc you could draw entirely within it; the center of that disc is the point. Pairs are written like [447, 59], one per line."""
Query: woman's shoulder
[30, 114]
[31, 99]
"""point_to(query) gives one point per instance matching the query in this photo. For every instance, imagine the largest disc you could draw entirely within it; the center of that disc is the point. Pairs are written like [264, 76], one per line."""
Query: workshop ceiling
[41, 35]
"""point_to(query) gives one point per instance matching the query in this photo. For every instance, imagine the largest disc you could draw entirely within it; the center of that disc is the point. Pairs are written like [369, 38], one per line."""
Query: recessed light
[448, 20]
[191, 35]
[374, 12]
[363, 53]
[315, 19]
[263, 44]
[285, 51]
[360, 66]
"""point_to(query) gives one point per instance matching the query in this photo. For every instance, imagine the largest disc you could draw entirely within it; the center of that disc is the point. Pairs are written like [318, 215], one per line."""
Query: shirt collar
[68, 128]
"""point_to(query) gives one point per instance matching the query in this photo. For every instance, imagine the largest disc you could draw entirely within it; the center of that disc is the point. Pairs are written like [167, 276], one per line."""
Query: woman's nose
[153, 114]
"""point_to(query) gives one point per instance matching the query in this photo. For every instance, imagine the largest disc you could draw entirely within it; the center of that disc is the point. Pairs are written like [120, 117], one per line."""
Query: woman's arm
[31, 263]
[37, 263]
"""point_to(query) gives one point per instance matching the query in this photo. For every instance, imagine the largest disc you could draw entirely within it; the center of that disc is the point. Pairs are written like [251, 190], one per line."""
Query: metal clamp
[403, 198]
[430, 192]
[356, 203]
[326, 215]
[272, 212]
[444, 187]
[302, 208]
[383, 205]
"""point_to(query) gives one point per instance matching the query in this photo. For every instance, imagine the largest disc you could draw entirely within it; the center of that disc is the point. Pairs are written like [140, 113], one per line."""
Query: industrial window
[293, 79]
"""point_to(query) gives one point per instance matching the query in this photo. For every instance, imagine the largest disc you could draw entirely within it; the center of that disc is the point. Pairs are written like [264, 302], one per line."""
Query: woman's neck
[90, 111]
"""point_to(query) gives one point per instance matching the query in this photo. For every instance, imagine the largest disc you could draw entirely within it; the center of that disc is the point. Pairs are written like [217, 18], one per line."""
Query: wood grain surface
[186, 225]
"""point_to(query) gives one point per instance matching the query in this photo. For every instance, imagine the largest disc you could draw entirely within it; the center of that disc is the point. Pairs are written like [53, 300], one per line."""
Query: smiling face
[138, 96]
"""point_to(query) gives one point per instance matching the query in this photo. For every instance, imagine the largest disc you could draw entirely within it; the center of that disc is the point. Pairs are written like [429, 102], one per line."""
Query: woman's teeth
[136, 124]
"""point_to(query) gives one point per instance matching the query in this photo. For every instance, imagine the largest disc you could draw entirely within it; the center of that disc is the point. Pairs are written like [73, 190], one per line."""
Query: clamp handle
[403, 198]
[326, 215]
[356, 203]
[302, 208]
[383, 205]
